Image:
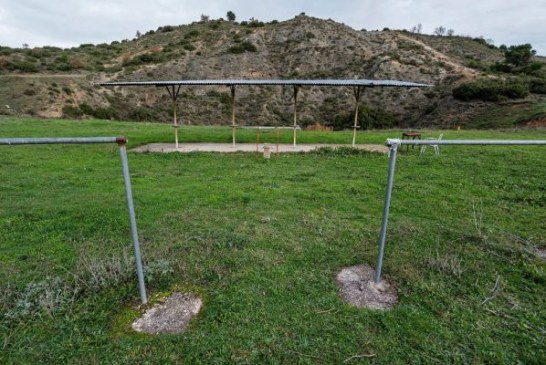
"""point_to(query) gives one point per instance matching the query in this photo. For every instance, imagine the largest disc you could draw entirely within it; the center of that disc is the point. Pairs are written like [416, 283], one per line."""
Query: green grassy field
[261, 241]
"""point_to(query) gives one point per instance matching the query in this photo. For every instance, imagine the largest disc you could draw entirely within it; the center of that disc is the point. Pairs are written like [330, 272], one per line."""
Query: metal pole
[393, 144]
[62, 140]
[383, 233]
[466, 142]
[233, 125]
[296, 88]
[132, 221]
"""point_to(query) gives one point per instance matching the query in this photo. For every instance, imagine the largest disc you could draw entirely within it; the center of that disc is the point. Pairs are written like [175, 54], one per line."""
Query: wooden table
[410, 135]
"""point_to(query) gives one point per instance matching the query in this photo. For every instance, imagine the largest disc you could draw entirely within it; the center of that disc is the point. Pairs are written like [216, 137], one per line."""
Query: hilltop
[54, 82]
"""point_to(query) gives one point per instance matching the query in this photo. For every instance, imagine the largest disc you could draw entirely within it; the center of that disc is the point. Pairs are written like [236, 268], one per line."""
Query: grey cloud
[70, 23]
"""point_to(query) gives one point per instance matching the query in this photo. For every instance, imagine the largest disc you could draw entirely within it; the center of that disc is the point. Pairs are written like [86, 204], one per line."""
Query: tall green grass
[262, 241]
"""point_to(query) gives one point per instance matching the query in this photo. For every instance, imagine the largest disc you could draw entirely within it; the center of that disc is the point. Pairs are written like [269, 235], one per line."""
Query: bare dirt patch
[541, 252]
[356, 287]
[535, 123]
[171, 315]
[248, 147]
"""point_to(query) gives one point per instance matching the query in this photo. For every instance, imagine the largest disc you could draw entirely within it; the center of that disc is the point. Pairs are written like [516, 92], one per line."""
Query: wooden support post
[233, 125]
[174, 96]
[277, 149]
[296, 89]
[357, 92]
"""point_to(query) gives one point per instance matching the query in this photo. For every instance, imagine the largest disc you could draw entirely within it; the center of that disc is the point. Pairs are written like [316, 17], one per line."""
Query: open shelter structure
[173, 88]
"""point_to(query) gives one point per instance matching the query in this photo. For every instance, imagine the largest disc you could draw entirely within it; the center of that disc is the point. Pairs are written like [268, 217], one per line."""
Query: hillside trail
[467, 72]
[44, 76]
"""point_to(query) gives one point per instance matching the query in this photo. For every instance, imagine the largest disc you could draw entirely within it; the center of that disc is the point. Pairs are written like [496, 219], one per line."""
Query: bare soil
[356, 287]
[248, 147]
[170, 315]
[535, 123]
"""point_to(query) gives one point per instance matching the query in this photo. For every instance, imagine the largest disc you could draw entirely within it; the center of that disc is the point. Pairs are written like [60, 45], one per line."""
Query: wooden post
[296, 89]
[233, 125]
[174, 96]
[357, 92]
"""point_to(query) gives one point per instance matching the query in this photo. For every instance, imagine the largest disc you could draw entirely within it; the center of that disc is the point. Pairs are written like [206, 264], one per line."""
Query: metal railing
[121, 142]
[393, 144]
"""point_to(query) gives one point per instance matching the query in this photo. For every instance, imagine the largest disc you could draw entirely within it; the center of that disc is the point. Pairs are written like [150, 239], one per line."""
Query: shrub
[63, 67]
[25, 66]
[368, 118]
[86, 109]
[537, 86]
[70, 111]
[141, 114]
[189, 47]
[242, 47]
[191, 34]
[165, 29]
[491, 90]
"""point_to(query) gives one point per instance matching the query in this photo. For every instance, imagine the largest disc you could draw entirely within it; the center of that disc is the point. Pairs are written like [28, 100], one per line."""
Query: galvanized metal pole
[394, 143]
[60, 140]
[383, 233]
[121, 141]
[233, 125]
[132, 221]
[296, 89]
[467, 142]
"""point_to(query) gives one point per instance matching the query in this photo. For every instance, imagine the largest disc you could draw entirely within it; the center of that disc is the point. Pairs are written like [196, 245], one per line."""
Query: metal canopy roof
[362, 83]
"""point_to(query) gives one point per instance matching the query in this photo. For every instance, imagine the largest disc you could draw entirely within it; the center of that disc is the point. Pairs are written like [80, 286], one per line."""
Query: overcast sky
[68, 23]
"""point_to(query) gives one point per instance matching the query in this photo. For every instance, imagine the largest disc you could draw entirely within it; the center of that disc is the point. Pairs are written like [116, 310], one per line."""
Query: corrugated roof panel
[361, 82]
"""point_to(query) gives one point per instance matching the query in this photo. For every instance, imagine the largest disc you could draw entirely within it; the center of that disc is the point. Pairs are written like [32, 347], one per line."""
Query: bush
[537, 86]
[141, 114]
[86, 109]
[25, 66]
[71, 112]
[242, 47]
[165, 29]
[191, 34]
[105, 113]
[144, 58]
[491, 90]
[368, 118]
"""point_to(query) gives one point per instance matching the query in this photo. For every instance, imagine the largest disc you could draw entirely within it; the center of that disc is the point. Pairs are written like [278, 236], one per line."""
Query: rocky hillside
[52, 82]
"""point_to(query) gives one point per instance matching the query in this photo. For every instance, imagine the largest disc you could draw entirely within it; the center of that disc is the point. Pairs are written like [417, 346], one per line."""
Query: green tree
[519, 56]
[230, 16]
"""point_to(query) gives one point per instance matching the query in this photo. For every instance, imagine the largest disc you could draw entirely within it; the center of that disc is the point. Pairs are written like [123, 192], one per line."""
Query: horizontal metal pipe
[70, 140]
[267, 127]
[481, 142]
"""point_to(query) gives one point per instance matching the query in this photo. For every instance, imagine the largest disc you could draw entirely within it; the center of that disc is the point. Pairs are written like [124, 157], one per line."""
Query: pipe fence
[121, 142]
[394, 143]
